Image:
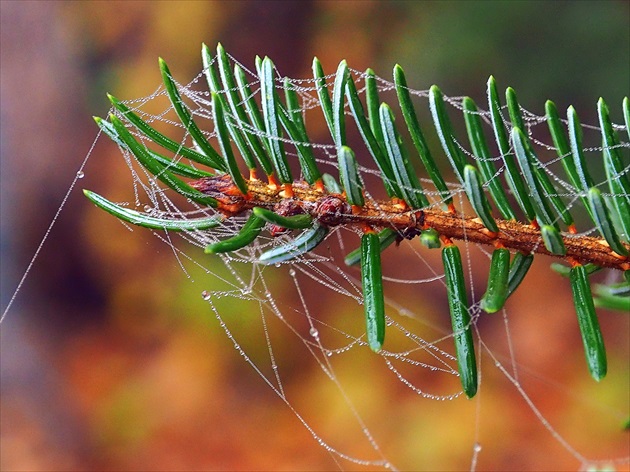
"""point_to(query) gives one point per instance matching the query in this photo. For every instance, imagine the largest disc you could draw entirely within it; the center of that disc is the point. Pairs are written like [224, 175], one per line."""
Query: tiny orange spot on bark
[356, 209]
[288, 191]
[446, 240]
[273, 183]
[399, 203]
[319, 185]
[368, 229]
[490, 234]
[573, 261]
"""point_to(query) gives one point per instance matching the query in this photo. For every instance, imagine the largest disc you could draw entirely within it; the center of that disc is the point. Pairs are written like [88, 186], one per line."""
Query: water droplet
[246, 291]
[477, 447]
[80, 174]
[292, 272]
[277, 264]
[148, 208]
[206, 295]
[313, 332]
[329, 353]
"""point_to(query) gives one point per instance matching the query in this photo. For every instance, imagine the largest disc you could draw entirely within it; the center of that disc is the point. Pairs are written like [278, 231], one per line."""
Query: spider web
[310, 309]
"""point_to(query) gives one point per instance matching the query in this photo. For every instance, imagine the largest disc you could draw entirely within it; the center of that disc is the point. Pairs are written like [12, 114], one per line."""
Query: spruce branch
[382, 214]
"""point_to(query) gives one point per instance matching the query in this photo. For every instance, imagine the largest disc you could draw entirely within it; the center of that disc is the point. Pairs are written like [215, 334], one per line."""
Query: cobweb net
[308, 313]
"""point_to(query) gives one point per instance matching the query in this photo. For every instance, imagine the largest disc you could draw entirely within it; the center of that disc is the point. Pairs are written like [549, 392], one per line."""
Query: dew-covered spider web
[401, 408]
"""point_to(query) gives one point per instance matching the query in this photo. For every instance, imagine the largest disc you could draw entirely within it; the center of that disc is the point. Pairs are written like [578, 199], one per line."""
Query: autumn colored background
[111, 360]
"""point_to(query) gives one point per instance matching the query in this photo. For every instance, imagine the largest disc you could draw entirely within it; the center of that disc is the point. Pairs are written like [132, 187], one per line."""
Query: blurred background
[110, 359]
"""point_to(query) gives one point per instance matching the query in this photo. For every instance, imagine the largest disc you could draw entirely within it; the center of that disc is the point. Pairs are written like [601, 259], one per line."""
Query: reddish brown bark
[333, 210]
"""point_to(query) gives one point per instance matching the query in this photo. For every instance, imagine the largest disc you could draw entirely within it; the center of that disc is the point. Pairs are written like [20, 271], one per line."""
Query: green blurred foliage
[111, 359]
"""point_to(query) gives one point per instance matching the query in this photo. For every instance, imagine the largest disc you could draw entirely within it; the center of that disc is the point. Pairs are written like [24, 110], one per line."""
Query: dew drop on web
[80, 174]
[206, 295]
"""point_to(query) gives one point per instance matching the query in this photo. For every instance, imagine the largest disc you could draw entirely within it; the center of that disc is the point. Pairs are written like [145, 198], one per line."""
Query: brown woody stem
[333, 210]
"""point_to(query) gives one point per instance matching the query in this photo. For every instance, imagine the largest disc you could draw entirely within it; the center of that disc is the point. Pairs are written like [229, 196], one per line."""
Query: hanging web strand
[79, 175]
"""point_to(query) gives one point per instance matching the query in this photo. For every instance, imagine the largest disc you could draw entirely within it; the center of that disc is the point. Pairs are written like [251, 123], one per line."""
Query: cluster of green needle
[259, 130]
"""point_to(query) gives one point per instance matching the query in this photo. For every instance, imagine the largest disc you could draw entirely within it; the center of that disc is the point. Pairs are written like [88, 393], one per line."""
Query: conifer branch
[311, 200]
